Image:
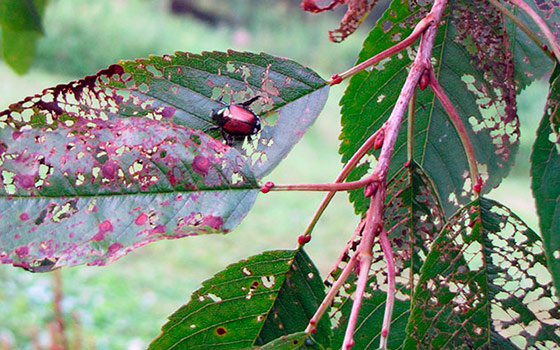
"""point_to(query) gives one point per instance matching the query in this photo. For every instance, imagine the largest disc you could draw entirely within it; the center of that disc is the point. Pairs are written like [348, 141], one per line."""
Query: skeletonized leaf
[94, 168]
[473, 67]
[414, 217]
[484, 285]
[545, 171]
[240, 305]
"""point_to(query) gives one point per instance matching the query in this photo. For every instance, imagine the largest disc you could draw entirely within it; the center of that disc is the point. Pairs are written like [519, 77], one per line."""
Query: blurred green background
[123, 305]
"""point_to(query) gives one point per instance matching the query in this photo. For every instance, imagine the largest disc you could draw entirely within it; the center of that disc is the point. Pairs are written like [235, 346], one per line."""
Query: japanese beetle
[237, 121]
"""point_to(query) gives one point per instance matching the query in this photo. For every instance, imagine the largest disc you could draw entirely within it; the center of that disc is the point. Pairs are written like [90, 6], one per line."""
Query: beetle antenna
[250, 101]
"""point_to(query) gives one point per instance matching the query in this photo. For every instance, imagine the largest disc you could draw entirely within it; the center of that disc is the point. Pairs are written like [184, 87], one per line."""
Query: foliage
[92, 169]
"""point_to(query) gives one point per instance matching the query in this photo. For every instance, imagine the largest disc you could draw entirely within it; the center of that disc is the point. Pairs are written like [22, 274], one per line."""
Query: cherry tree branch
[374, 216]
[459, 126]
[350, 242]
[541, 24]
[410, 128]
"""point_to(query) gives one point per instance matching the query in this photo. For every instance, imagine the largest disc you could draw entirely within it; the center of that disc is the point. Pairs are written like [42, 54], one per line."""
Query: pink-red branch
[326, 303]
[390, 302]
[374, 216]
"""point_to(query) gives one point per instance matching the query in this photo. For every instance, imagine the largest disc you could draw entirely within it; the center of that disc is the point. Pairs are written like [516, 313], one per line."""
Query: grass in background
[123, 305]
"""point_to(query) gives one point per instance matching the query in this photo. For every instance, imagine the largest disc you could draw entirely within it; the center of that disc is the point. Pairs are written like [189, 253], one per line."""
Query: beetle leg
[228, 138]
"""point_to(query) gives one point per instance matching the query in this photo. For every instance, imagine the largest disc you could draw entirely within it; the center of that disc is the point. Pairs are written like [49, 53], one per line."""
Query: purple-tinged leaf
[94, 168]
[89, 191]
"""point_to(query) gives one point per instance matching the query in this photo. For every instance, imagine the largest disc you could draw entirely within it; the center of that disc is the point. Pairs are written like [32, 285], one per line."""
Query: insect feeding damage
[71, 155]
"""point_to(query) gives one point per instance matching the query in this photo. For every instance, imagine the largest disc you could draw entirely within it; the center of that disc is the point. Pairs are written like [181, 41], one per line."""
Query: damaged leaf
[484, 285]
[545, 170]
[475, 70]
[356, 13]
[89, 191]
[188, 87]
[95, 168]
[297, 301]
[531, 63]
[243, 305]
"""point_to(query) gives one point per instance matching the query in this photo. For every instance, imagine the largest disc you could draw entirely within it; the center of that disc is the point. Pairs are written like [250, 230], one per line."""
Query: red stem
[360, 153]
[327, 301]
[459, 126]
[344, 186]
[344, 253]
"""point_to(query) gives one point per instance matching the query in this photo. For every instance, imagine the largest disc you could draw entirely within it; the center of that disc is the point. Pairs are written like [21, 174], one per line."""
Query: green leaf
[545, 169]
[300, 296]
[83, 163]
[18, 49]
[233, 310]
[413, 219]
[484, 285]
[22, 15]
[473, 67]
[21, 29]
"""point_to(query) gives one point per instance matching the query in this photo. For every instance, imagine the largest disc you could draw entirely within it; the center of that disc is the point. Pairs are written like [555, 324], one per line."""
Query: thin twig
[409, 40]
[346, 249]
[410, 127]
[459, 126]
[389, 304]
[350, 165]
[541, 24]
[327, 301]
[344, 186]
